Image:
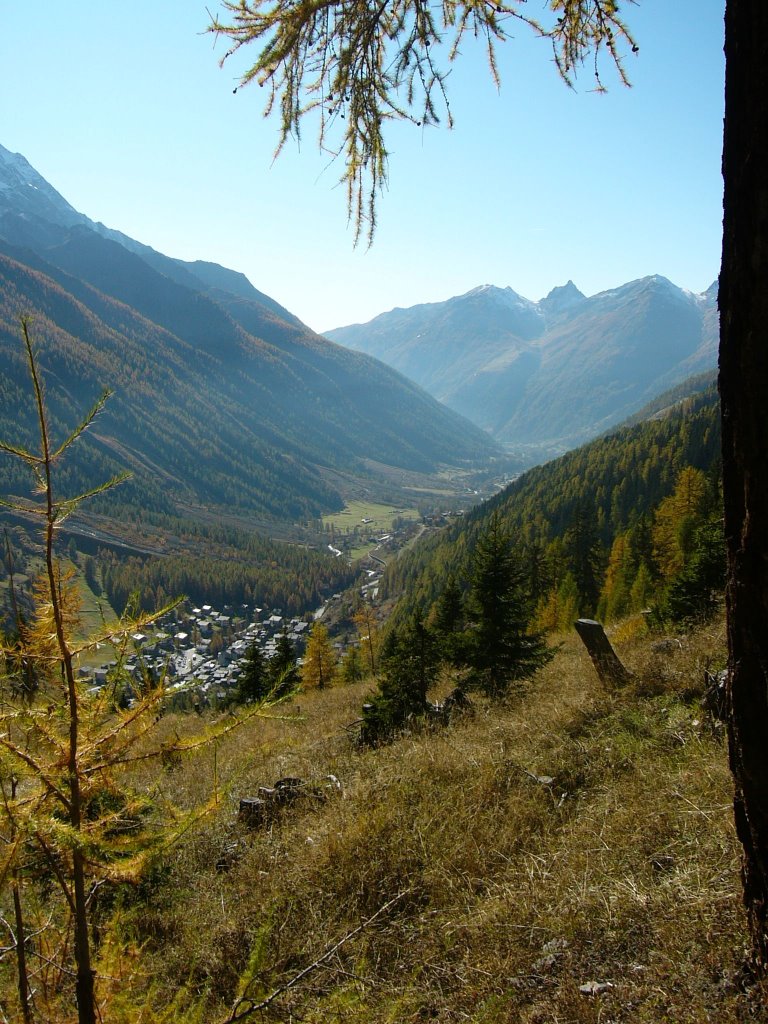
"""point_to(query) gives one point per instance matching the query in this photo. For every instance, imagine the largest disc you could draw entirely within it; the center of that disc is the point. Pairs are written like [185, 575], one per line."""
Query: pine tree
[447, 622]
[408, 662]
[501, 649]
[694, 592]
[582, 545]
[253, 685]
[283, 673]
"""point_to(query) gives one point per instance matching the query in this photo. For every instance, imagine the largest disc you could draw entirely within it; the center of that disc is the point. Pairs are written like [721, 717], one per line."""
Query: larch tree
[614, 595]
[677, 519]
[367, 631]
[67, 798]
[318, 669]
[361, 65]
[351, 669]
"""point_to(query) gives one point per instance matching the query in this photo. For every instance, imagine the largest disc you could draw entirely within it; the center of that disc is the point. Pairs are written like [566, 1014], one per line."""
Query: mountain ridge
[554, 372]
[217, 384]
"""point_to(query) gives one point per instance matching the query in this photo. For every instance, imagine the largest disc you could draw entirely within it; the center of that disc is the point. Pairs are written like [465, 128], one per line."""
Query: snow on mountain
[23, 190]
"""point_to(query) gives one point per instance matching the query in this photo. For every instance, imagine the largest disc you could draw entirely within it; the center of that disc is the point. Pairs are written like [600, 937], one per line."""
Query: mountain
[222, 397]
[551, 373]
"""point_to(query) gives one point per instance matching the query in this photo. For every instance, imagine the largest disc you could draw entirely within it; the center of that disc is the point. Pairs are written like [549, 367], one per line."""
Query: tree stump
[607, 665]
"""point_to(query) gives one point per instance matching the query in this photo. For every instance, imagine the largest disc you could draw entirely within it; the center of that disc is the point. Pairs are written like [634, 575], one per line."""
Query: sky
[124, 109]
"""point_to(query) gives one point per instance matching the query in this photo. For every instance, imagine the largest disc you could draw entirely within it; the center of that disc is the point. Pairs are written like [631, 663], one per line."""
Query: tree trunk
[84, 984]
[743, 302]
[609, 668]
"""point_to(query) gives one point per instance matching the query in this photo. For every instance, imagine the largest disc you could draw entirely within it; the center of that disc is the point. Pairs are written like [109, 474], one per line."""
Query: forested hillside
[228, 568]
[593, 508]
[222, 397]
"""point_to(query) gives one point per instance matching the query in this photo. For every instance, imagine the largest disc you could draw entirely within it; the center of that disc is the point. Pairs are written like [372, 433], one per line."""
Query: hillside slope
[571, 838]
[606, 487]
[222, 397]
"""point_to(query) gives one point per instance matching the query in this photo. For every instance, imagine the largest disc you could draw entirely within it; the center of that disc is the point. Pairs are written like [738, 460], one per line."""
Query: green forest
[286, 576]
[606, 529]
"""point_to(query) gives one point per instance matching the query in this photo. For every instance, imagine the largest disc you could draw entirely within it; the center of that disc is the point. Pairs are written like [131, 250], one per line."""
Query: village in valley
[199, 650]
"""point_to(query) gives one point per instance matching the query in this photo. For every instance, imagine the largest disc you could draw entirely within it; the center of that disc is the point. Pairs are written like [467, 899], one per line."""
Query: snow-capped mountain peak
[25, 192]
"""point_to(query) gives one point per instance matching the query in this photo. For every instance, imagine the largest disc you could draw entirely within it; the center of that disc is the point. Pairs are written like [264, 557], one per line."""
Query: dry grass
[569, 837]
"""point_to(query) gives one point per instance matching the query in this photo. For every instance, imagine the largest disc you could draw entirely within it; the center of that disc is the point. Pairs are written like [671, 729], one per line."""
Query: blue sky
[124, 109]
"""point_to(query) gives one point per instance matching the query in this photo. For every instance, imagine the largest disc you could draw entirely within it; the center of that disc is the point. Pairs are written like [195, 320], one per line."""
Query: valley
[373, 654]
[222, 400]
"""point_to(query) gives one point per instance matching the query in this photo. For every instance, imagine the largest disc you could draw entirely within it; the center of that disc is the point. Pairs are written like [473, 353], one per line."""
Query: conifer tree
[283, 673]
[409, 659]
[642, 589]
[678, 518]
[368, 632]
[351, 669]
[615, 594]
[582, 546]
[501, 649]
[253, 685]
[557, 611]
[447, 622]
[694, 592]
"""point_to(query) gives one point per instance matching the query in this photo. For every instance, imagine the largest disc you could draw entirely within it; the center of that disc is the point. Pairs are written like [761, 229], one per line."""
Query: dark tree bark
[743, 301]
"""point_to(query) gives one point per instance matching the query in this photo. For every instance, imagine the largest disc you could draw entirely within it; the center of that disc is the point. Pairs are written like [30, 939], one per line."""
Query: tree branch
[236, 1016]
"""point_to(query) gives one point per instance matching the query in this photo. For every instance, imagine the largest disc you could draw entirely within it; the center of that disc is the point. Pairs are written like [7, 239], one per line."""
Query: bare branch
[238, 1014]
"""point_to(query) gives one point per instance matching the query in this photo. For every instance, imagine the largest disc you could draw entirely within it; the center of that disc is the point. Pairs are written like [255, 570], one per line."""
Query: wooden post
[604, 658]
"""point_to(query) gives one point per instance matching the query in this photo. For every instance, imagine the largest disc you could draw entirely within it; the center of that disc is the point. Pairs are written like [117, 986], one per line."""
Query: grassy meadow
[368, 513]
[363, 520]
[567, 856]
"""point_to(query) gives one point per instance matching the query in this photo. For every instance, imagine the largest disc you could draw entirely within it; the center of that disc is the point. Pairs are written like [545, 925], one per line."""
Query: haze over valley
[548, 375]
